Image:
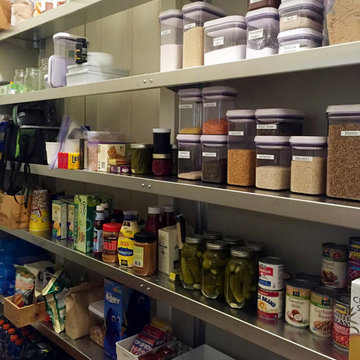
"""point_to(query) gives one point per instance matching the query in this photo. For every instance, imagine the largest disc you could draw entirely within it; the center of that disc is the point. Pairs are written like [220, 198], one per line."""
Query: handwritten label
[218, 41]
[265, 157]
[256, 34]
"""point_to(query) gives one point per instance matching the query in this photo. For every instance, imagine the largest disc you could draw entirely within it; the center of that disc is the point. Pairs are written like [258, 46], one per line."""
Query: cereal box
[354, 350]
[59, 220]
[106, 152]
[71, 221]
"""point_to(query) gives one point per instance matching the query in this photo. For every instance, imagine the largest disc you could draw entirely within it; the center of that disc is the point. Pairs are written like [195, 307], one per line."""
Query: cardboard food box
[59, 219]
[107, 152]
[354, 349]
[168, 251]
[71, 221]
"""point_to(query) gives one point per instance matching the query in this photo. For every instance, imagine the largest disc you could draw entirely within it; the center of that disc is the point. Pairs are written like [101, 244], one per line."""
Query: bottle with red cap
[18, 349]
[10, 347]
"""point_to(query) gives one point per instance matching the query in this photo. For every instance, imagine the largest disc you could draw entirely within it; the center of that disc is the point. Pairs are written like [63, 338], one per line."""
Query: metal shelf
[310, 208]
[278, 337]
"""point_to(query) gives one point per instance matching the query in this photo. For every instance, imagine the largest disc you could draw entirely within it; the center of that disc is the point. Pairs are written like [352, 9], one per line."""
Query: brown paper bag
[5, 14]
[77, 318]
[13, 213]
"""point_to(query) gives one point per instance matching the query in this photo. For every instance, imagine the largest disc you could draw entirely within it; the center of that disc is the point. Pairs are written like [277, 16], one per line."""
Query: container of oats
[343, 171]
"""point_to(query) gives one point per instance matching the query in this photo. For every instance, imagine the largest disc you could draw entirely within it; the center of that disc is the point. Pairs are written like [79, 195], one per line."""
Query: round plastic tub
[308, 164]
[273, 160]
[190, 111]
[171, 42]
[299, 39]
[262, 32]
[189, 157]
[225, 40]
[257, 4]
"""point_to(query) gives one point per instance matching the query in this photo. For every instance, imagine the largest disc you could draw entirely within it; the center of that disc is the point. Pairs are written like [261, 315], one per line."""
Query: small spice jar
[273, 161]
[162, 164]
[189, 157]
[217, 100]
[110, 243]
[214, 158]
[145, 246]
[161, 139]
[308, 164]
[257, 4]
[190, 111]
[241, 150]
[141, 159]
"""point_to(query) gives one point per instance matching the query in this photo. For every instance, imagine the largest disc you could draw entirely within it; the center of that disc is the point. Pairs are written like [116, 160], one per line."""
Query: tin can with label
[270, 304]
[271, 273]
[353, 272]
[341, 324]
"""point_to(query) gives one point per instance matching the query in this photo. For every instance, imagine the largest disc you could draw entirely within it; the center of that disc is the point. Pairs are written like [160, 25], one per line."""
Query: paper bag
[5, 14]
[13, 213]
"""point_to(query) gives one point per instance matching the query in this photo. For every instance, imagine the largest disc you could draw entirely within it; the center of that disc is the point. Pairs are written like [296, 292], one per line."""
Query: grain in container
[241, 147]
[257, 4]
[195, 15]
[295, 14]
[171, 41]
[217, 100]
[271, 273]
[225, 40]
[189, 157]
[308, 164]
[298, 40]
[214, 158]
[273, 161]
[262, 32]
[343, 171]
[279, 122]
[341, 324]
[190, 111]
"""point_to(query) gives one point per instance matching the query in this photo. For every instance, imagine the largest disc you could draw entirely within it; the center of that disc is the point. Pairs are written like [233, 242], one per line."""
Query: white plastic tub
[204, 352]
[298, 40]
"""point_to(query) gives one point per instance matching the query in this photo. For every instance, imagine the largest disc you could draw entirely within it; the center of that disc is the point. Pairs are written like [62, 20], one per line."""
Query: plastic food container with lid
[161, 139]
[141, 156]
[279, 122]
[241, 150]
[195, 15]
[343, 171]
[214, 158]
[273, 160]
[225, 40]
[308, 164]
[190, 111]
[262, 32]
[299, 39]
[217, 100]
[171, 41]
[295, 14]
[189, 157]
[257, 4]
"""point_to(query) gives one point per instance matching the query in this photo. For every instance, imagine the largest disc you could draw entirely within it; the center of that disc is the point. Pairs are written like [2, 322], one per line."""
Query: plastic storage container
[190, 111]
[214, 158]
[225, 40]
[241, 150]
[295, 14]
[343, 171]
[257, 4]
[308, 164]
[273, 160]
[299, 39]
[217, 101]
[279, 122]
[171, 42]
[189, 157]
[262, 32]
[195, 15]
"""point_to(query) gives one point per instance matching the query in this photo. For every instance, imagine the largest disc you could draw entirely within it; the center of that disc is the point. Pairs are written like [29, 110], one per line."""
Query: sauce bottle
[98, 231]
[126, 238]
[168, 216]
[153, 223]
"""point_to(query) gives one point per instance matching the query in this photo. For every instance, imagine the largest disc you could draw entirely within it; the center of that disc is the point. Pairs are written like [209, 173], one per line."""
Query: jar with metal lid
[189, 157]
[240, 278]
[174, 159]
[231, 240]
[141, 159]
[214, 262]
[162, 164]
[110, 242]
[145, 247]
[212, 235]
[191, 261]
[190, 111]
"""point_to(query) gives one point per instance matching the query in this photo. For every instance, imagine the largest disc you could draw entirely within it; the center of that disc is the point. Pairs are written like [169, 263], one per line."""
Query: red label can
[341, 324]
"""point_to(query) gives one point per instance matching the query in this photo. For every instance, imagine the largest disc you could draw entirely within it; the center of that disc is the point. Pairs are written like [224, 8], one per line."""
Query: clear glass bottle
[43, 70]
[19, 81]
[27, 79]
[35, 74]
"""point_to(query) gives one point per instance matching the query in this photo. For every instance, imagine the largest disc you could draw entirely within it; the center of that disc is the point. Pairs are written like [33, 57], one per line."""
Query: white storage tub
[298, 40]
[204, 352]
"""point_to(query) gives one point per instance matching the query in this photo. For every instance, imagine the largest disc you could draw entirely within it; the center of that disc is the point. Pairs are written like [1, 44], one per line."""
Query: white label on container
[267, 127]
[265, 157]
[218, 41]
[209, 154]
[290, 18]
[236, 133]
[186, 106]
[254, 1]
[212, 104]
[285, 49]
[166, 32]
[350, 133]
[256, 34]
[184, 154]
[302, 158]
[189, 26]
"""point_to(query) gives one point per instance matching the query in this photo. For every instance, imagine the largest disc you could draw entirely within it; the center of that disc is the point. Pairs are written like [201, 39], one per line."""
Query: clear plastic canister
[217, 100]
[225, 40]
[241, 151]
[190, 111]
[273, 160]
[65, 45]
[257, 4]
[189, 157]
[195, 15]
[298, 40]
[171, 42]
[308, 164]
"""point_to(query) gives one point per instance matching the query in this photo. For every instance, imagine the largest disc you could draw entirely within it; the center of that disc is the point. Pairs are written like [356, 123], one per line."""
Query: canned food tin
[341, 324]
[270, 304]
[353, 272]
[334, 262]
[313, 278]
[271, 273]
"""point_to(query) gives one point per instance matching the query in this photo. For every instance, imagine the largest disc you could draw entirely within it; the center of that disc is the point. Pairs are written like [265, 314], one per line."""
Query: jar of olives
[190, 262]
[213, 269]
[240, 277]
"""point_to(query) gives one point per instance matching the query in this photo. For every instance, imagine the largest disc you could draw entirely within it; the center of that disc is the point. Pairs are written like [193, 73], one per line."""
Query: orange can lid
[13, 338]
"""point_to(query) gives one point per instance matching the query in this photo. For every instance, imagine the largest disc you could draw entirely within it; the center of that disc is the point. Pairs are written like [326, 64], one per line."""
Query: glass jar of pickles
[213, 268]
[240, 277]
[190, 263]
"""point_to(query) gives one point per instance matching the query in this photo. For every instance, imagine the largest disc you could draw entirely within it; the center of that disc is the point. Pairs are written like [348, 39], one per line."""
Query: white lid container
[308, 142]
[343, 111]
[214, 139]
[272, 140]
[313, 6]
[299, 39]
[279, 114]
[191, 95]
[262, 17]
[232, 23]
[219, 92]
[172, 17]
[200, 12]
[243, 114]
[188, 138]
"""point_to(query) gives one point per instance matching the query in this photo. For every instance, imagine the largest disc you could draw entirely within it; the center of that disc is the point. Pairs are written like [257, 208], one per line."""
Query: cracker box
[59, 220]
[71, 222]
[168, 251]
[354, 349]
[107, 152]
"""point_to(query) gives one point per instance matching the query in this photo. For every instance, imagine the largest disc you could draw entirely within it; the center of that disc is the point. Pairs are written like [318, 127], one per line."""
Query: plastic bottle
[98, 231]
[5, 340]
[106, 212]
[3, 334]
[10, 347]
[168, 216]
[18, 350]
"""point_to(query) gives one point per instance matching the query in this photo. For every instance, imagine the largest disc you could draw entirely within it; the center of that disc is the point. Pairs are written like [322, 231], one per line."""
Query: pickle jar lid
[255, 246]
[194, 239]
[145, 237]
[241, 252]
[216, 245]
[233, 240]
[212, 235]
[154, 210]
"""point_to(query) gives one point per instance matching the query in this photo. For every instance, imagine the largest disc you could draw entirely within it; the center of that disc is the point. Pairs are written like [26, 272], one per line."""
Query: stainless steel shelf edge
[278, 337]
[316, 209]
[313, 59]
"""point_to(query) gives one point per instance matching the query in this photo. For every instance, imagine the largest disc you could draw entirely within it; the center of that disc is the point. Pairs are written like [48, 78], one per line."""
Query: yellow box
[74, 161]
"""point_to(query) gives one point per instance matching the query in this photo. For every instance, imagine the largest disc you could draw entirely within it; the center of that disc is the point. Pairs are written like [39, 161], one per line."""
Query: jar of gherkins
[141, 159]
[213, 269]
[240, 277]
[190, 262]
